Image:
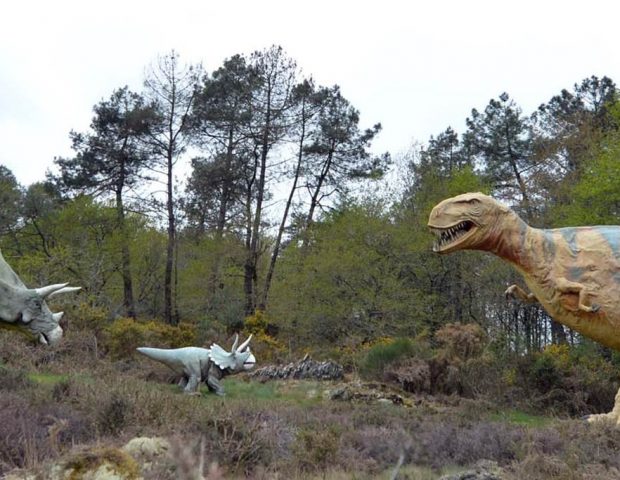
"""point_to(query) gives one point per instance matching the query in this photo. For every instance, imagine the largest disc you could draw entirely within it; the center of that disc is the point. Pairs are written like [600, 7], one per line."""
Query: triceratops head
[238, 359]
[26, 309]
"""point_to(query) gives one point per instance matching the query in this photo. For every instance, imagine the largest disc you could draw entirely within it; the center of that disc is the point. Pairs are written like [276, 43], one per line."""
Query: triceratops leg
[566, 286]
[214, 385]
[192, 384]
[514, 291]
[182, 382]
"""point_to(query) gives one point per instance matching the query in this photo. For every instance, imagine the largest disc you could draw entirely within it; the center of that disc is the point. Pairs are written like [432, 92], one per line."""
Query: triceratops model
[210, 365]
[574, 273]
[25, 308]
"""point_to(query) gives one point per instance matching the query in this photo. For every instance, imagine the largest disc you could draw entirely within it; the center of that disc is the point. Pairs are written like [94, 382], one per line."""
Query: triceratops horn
[57, 316]
[46, 291]
[244, 345]
[234, 347]
[65, 290]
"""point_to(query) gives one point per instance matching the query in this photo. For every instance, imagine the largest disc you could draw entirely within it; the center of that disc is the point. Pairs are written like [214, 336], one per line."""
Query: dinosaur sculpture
[210, 365]
[25, 308]
[574, 273]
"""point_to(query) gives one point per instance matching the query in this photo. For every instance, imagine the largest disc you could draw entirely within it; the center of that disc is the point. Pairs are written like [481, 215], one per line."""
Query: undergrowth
[51, 403]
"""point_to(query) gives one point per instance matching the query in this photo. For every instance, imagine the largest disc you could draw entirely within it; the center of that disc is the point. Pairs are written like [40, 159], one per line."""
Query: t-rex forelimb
[566, 286]
[515, 291]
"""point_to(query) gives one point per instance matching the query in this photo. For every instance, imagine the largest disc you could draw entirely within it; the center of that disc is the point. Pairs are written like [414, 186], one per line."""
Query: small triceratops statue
[208, 365]
[25, 308]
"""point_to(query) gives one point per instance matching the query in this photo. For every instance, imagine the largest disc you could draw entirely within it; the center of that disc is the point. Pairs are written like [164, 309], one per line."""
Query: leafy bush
[266, 347]
[381, 355]
[124, 335]
[87, 317]
[461, 342]
[316, 450]
[112, 418]
[565, 380]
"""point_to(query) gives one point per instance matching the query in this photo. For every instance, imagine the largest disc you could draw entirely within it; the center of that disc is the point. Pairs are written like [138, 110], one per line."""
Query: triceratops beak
[52, 337]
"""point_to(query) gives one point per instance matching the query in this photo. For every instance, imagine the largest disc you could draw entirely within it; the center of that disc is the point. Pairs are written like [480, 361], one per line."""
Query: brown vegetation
[53, 402]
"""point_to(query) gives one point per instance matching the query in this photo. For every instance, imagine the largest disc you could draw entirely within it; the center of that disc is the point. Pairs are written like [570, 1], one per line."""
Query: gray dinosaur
[25, 308]
[210, 365]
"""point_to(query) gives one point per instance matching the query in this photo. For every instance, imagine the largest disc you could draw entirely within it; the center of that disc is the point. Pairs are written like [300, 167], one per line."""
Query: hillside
[75, 406]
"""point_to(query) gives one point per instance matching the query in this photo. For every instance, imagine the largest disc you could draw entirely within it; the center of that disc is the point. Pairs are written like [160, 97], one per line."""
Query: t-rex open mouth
[448, 236]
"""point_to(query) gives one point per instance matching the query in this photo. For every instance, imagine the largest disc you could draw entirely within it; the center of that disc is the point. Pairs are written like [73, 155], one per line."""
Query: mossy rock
[98, 464]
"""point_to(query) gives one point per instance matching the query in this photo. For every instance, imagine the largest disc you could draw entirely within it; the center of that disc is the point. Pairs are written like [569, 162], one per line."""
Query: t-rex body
[210, 365]
[574, 273]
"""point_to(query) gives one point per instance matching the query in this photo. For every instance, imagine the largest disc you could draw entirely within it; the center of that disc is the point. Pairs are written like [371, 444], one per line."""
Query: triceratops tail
[159, 354]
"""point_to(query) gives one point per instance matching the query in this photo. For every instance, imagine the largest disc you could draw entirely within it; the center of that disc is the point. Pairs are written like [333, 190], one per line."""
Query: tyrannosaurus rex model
[210, 365]
[574, 273]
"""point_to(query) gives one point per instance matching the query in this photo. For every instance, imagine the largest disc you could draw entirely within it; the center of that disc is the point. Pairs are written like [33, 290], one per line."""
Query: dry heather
[55, 403]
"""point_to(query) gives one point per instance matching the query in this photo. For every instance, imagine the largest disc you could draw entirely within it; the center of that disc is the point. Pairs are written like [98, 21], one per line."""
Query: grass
[47, 378]
[518, 417]
[300, 393]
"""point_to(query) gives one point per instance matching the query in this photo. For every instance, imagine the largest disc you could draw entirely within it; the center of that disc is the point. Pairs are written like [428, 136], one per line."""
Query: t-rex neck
[512, 239]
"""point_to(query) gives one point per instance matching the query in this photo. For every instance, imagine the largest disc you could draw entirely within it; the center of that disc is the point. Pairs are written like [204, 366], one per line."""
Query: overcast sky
[415, 66]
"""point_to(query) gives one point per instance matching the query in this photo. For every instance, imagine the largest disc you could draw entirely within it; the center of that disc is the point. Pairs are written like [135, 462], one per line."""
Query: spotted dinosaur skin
[574, 273]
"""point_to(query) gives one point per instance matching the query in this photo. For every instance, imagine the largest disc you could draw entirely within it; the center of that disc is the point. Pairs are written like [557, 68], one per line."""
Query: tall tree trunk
[314, 201]
[249, 265]
[558, 334]
[289, 201]
[251, 270]
[128, 300]
[168, 307]
[221, 220]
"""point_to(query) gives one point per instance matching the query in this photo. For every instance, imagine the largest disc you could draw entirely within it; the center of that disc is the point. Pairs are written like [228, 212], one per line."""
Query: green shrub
[264, 345]
[381, 355]
[124, 335]
[113, 416]
[87, 317]
[316, 449]
[461, 342]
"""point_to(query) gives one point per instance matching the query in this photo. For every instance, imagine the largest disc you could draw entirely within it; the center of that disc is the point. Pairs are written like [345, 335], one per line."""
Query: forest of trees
[287, 211]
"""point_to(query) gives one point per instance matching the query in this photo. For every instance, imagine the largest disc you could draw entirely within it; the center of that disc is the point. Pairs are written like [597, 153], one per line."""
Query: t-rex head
[466, 222]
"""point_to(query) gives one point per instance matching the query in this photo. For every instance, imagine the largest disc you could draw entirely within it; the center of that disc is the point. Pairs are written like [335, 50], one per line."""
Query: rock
[97, 464]
[305, 369]
[147, 447]
[364, 393]
[483, 470]
[147, 450]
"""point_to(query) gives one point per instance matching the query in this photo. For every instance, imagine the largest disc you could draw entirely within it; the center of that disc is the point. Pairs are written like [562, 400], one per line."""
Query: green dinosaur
[574, 273]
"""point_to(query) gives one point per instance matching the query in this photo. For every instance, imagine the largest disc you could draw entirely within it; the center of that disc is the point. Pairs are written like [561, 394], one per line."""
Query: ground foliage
[56, 403]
